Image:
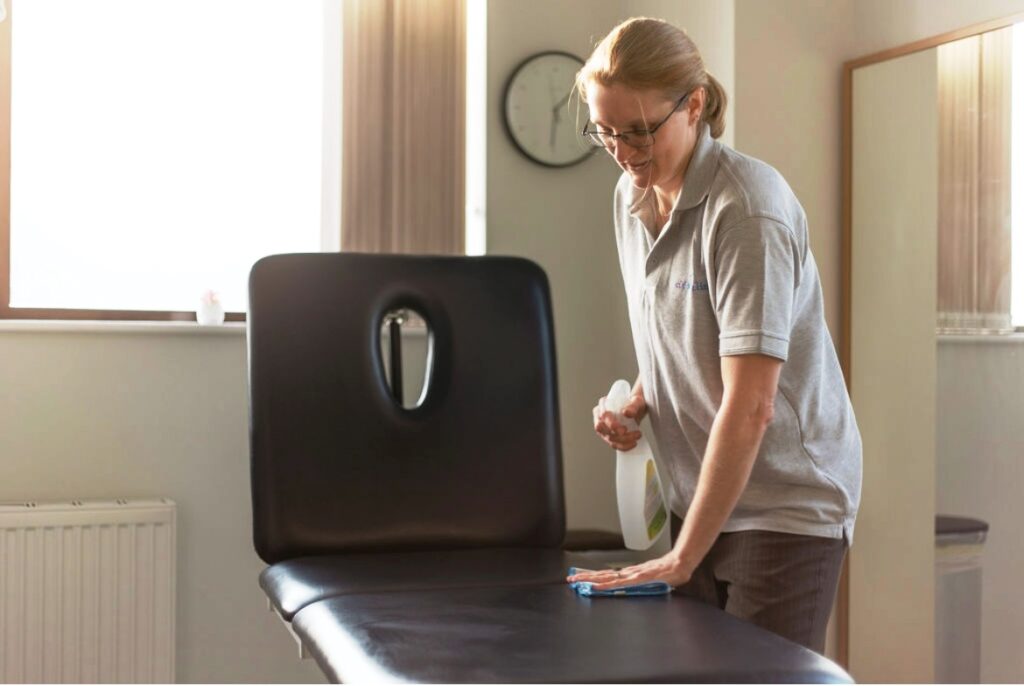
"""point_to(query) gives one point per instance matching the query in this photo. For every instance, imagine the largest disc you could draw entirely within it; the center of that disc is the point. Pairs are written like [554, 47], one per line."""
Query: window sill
[147, 327]
[1016, 338]
[91, 326]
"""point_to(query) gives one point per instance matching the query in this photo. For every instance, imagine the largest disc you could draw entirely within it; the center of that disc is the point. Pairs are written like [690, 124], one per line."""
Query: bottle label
[654, 507]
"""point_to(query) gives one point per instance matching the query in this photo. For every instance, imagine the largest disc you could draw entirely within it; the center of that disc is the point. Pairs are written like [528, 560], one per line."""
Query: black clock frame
[504, 110]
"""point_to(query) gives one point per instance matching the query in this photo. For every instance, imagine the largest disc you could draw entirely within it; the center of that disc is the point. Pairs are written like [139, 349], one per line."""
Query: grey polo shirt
[731, 273]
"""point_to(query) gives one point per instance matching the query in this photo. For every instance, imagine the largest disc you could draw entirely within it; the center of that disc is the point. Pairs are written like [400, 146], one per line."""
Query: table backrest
[338, 465]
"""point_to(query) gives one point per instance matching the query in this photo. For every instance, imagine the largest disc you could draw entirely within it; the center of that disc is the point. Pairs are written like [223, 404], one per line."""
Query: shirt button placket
[650, 286]
[650, 315]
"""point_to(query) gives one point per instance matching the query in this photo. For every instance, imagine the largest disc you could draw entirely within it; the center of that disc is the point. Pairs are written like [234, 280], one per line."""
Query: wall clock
[538, 117]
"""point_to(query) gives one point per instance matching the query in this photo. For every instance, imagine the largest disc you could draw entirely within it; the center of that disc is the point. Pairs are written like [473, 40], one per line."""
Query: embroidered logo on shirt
[691, 285]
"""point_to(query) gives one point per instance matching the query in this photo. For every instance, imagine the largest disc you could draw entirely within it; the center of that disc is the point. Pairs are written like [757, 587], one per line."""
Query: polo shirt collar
[696, 183]
[700, 172]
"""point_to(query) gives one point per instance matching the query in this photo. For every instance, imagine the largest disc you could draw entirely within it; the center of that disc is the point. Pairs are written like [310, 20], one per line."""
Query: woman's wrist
[680, 567]
[683, 557]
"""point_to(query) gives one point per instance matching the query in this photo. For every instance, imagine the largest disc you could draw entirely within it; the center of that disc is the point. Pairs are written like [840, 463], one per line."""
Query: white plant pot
[210, 314]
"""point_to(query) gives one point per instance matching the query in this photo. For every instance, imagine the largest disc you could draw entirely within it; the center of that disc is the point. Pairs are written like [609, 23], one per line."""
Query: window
[1017, 178]
[476, 127]
[981, 183]
[158, 149]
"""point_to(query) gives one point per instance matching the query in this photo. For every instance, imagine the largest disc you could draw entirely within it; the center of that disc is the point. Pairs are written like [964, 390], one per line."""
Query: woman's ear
[695, 105]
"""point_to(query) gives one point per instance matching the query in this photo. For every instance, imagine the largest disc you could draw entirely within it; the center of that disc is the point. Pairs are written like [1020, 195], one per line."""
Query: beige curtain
[403, 126]
[974, 183]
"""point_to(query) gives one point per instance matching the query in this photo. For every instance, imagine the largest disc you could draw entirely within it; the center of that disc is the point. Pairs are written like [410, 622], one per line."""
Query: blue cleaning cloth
[586, 588]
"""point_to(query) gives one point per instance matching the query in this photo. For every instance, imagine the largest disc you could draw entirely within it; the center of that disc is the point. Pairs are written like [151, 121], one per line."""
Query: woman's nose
[621, 151]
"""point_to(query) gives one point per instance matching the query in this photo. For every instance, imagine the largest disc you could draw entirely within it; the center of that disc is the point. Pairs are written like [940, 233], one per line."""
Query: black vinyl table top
[546, 634]
[294, 584]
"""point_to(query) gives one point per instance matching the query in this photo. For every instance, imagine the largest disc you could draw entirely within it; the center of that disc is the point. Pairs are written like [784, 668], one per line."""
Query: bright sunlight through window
[1017, 178]
[159, 148]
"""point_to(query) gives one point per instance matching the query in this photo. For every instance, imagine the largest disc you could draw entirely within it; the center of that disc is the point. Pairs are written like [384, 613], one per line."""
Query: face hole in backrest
[406, 349]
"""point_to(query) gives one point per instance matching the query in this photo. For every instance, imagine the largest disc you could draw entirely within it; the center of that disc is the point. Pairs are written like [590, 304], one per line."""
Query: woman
[738, 374]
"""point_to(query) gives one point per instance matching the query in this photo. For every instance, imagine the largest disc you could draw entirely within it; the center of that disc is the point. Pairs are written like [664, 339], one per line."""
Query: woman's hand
[668, 568]
[611, 430]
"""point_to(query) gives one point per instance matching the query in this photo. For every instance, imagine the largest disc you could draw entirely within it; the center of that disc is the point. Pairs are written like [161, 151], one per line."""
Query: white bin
[958, 548]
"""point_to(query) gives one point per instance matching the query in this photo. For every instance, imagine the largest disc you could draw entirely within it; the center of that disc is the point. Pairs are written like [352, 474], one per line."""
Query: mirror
[932, 348]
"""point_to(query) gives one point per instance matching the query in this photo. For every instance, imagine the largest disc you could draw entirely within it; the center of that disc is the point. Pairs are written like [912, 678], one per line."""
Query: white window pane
[476, 128]
[1017, 177]
[159, 148]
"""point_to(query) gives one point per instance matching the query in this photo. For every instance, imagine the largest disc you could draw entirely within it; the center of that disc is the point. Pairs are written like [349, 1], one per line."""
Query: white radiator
[87, 591]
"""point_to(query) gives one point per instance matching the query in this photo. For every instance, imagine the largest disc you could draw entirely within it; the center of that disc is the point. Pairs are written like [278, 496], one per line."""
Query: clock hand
[557, 108]
[556, 119]
[551, 88]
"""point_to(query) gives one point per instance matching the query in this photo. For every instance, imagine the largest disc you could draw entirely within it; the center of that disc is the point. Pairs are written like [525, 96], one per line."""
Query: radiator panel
[87, 592]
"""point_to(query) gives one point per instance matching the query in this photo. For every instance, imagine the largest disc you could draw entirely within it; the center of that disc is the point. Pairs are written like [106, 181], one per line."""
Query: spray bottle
[643, 514]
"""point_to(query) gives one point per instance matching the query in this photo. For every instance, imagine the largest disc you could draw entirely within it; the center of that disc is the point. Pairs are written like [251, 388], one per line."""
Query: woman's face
[617, 109]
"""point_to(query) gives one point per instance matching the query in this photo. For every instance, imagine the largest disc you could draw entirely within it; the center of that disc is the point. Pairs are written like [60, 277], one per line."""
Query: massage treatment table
[424, 543]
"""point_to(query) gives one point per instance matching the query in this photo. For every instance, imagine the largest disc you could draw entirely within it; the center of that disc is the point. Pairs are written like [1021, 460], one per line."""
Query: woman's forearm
[732, 448]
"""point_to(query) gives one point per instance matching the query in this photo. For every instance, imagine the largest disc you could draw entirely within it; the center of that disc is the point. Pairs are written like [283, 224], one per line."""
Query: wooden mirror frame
[843, 603]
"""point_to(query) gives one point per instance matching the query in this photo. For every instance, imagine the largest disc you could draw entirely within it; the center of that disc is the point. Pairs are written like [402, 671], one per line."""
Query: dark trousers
[785, 583]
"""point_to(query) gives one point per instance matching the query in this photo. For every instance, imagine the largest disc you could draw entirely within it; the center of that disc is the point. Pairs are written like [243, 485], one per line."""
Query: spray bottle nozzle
[618, 396]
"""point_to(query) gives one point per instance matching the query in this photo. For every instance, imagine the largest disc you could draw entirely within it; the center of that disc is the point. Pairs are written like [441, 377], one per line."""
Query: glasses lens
[634, 139]
[638, 139]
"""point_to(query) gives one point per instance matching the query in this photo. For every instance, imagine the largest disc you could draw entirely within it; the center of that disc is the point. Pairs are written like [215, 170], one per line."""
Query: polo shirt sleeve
[757, 271]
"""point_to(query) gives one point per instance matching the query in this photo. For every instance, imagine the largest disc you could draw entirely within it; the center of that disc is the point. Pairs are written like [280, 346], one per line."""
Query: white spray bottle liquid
[643, 514]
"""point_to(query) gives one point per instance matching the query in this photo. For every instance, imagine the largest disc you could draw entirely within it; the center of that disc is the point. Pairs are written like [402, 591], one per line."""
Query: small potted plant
[210, 311]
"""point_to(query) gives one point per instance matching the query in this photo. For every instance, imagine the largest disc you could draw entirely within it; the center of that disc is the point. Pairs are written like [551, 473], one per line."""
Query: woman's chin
[641, 177]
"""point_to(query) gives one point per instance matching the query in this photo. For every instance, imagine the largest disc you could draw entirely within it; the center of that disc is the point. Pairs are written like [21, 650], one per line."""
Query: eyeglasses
[641, 138]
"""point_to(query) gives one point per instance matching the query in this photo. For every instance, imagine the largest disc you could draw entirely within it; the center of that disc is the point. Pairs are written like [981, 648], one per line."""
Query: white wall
[882, 24]
[980, 473]
[895, 204]
[94, 415]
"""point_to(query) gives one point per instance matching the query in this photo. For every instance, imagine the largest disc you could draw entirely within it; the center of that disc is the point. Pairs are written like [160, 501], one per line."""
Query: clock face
[538, 114]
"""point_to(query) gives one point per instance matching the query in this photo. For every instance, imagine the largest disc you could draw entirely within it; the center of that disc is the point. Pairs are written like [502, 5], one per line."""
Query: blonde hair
[651, 54]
